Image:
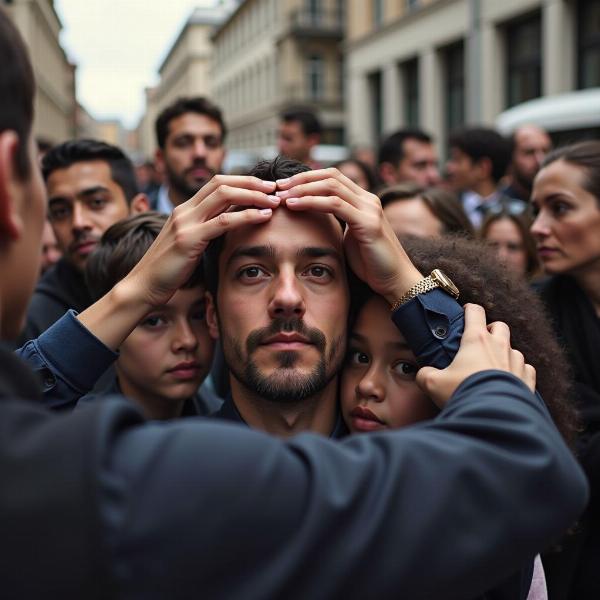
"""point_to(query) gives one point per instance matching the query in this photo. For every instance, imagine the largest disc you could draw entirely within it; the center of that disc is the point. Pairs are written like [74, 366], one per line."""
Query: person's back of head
[408, 156]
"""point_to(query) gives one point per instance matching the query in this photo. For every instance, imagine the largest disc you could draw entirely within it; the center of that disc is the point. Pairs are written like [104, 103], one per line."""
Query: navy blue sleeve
[433, 325]
[68, 359]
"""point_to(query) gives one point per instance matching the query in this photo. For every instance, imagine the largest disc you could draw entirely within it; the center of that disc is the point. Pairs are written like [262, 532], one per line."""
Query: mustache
[199, 163]
[281, 325]
[83, 237]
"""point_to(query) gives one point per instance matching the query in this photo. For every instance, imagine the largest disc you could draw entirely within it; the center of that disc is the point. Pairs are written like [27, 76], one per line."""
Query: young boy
[168, 355]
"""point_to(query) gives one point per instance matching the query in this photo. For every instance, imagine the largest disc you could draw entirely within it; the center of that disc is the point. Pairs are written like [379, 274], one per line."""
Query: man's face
[461, 171]
[419, 165]
[293, 143]
[83, 202]
[531, 147]
[283, 304]
[193, 152]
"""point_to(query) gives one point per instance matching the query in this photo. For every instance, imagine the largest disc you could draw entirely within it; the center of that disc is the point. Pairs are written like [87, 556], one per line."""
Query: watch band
[425, 285]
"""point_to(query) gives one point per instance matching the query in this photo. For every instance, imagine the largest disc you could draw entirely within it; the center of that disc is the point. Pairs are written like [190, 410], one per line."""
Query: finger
[318, 175]
[517, 362]
[325, 187]
[228, 221]
[426, 379]
[475, 323]
[326, 204]
[225, 196]
[530, 377]
[246, 182]
[500, 330]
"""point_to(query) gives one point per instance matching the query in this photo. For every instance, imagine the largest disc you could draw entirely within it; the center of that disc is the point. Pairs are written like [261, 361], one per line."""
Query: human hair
[17, 89]
[268, 170]
[364, 168]
[391, 149]
[475, 270]
[480, 142]
[585, 155]
[121, 247]
[197, 104]
[443, 204]
[522, 222]
[308, 120]
[71, 152]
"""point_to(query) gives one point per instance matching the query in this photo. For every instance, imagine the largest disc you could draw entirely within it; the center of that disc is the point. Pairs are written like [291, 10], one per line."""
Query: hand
[372, 248]
[482, 347]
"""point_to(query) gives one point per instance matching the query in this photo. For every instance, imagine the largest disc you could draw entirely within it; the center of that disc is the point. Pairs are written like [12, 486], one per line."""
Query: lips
[185, 370]
[84, 247]
[363, 419]
[287, 341]
[545, 251]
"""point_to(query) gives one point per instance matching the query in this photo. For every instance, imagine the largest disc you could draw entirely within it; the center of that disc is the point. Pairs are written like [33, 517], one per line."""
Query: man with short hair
[478, 161]
[408, 156]
[530, 145]
[298, 133]
[98, 504]
[90, 185]
[191, 149]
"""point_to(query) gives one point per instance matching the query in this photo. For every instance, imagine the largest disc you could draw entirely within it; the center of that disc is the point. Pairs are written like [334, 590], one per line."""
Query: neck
[154, 407]
[589, 281]
[175, 197]
[485, 188]
[317, 413]
[522, 190]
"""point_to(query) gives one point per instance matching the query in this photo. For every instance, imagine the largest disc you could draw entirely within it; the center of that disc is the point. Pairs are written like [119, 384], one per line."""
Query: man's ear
[483, 167]
[159, 161]
[11, 221]
[211, 317]
[387, 172]
[139, 204]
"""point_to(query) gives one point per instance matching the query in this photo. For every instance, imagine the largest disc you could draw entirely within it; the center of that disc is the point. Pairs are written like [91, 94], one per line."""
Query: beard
[186, 187]
[286, 385]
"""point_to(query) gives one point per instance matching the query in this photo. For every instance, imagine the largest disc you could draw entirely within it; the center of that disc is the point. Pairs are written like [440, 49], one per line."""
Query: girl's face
[567, 226]
[378, 388]
[504, 236]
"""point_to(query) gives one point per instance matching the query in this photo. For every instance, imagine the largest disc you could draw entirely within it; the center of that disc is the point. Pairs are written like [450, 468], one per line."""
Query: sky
[118, 46]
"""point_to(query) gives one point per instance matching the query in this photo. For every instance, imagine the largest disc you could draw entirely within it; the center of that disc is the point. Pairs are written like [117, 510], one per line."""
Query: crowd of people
[374, 379]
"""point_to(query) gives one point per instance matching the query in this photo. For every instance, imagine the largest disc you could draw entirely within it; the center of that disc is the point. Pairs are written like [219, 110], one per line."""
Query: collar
[163, 201]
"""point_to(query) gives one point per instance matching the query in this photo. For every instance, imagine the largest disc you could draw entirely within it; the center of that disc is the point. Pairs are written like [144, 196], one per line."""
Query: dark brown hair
[445, 206]
[585, 155]
[17, 88]
[122, 246]
[522, 222]
[481, 280]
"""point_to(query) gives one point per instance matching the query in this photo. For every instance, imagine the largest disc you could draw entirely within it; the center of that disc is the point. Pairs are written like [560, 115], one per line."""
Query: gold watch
[437, 279]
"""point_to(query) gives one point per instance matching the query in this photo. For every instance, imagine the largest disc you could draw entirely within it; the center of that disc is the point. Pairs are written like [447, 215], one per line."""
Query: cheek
[142, 353]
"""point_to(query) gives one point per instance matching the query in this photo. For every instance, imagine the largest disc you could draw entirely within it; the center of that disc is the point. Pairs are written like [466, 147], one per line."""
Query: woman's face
[378, 388]
[504, 236]
[567, 226]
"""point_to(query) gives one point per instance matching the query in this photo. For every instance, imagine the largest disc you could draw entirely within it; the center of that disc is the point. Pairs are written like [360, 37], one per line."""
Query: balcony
[319, 97]
[321, 24]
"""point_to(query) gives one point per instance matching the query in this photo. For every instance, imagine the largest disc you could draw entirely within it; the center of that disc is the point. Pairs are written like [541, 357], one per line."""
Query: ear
[139, 204]
[484, 168]
[387, 172]
[11, 222]
[159, 161]
[314, 139]
[211, 317]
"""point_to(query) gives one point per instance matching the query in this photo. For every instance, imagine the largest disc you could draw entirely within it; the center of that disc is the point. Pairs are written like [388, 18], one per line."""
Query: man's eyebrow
[319, 252]
[363, 339]
[92, 190]
[252, 252]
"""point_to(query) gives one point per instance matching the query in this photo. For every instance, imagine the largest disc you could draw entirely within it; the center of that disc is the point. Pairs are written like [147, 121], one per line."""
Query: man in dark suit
[98, 504]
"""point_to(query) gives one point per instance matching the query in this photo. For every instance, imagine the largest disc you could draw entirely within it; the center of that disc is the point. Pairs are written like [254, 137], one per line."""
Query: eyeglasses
[506, 205]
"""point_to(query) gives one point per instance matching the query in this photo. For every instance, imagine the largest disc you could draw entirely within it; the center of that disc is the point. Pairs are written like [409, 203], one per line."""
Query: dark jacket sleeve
[444, 509]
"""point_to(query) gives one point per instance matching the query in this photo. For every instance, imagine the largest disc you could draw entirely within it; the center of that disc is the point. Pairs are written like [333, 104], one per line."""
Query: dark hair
[74, 151]
[522, 222]
[17, 89]
[443, 204]
[481, 142]
[269, 170]
[365, 169]
[198, 104]
[121, 247]
[391, 149]
[309, 122]
[474, 269]
[585, 155]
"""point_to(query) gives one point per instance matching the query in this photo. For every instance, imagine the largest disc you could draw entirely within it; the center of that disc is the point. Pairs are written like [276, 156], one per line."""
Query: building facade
[55, 102]
[273, 54]
[439, 64]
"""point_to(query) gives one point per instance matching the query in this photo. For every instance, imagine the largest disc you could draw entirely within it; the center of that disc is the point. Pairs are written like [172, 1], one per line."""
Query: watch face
[445, 282]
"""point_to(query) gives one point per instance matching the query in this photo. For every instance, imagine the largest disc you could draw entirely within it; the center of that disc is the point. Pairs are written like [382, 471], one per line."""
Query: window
[588, 43]
[524, 60]
[412, 5]
[314, 11]
[454, 59]
[315, 77]
[378, 12]
[410, 76]
[376, 102]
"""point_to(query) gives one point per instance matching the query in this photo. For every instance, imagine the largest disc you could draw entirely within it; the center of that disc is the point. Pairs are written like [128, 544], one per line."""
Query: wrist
[402, 284]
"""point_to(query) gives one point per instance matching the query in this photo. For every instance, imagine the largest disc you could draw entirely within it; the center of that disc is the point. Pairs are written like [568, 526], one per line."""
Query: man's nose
[288, 299]
[80, 217]
[200, 148]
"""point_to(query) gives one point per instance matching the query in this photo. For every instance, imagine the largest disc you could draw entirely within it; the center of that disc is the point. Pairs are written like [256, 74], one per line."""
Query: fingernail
[265, 211]
[282, 194]
[269, 185]
[283, 181]
[291, 200]
[274, 199]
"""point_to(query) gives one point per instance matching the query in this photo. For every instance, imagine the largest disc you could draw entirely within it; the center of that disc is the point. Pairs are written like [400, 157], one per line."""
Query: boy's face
[168, 355]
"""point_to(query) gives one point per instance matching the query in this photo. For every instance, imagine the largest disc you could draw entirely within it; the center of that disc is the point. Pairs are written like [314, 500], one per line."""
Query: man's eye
[356, 357]
[97, 202]
[319, 272]
[58, 213]
[405, 369]
[212, 142]
[251, 273]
